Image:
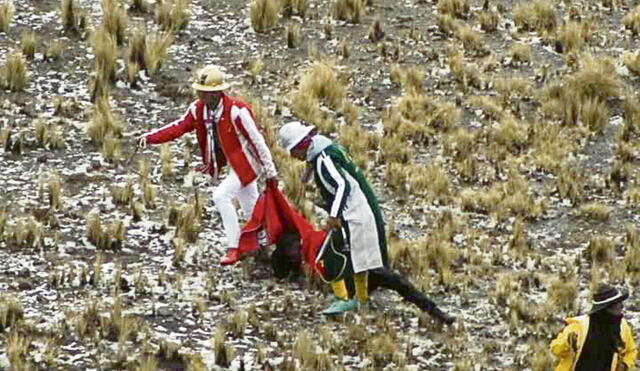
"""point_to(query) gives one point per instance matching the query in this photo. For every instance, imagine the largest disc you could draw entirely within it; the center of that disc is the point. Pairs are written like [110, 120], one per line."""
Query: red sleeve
[174, 130]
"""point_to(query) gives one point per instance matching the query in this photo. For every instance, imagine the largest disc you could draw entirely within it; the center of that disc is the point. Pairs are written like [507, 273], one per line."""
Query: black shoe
[441, 316]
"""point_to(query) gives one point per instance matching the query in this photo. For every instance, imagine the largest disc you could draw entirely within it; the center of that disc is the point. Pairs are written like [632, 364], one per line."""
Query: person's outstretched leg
[223, 199]
[384, 277]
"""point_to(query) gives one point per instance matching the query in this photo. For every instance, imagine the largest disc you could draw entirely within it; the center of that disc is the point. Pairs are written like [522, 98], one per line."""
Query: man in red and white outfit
[227, 134]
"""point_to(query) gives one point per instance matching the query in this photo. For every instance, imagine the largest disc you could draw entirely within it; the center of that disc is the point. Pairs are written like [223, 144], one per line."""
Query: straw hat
[210, 78]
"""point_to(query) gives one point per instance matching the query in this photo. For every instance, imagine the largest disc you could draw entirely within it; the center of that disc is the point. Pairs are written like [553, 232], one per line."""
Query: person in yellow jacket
[601, 340]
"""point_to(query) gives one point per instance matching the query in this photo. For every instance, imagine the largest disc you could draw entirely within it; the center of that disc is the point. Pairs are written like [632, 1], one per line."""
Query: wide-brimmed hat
[605, 296]
[210, 78]
[290, 134]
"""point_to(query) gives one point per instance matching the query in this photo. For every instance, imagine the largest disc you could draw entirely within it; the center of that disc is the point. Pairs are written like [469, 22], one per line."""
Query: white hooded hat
[290, 134]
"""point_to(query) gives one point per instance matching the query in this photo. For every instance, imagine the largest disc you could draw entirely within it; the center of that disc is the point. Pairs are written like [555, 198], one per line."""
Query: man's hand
[333, 223]
[573, 341]
[142, 141]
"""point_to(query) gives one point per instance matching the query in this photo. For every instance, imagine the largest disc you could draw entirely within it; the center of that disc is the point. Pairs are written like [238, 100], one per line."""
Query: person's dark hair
[286, 259]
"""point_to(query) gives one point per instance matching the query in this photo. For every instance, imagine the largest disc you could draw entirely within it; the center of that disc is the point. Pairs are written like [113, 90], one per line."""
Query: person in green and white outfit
[355, 222]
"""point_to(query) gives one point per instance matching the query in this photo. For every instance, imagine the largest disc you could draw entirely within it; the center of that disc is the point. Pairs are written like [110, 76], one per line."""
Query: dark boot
[441, 316]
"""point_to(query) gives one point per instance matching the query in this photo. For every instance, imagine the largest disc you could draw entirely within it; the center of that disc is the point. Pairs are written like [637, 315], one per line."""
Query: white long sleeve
[257, 140]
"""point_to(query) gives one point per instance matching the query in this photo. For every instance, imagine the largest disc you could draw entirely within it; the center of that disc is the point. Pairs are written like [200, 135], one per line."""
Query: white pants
[223, 196]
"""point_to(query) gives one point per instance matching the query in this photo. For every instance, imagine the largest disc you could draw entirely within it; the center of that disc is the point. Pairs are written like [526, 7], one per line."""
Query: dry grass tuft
[471, 40]
[114, 19]
[580, 96]
[596, 211]
[538, 15]
[447, 24]
[631, 20]
[511, 134]
[520, 53]
[11, 312]
[562, 293]
[140, 6]
[111, 148]
[105, 49]
[291, 7]
[72, 17]
[172, 15]
[358, 142]
[166, 159]
[105, 238]
[348, 10]
[418, 117]
[53, 50]
[188, 223]
[24, 233]
[572, 36]
[632, 62]
[601, 250]
[13, 75]
[375, 32]
[122, 194]
[454, 8]
[321, 82]
[104, 122]
[488, 20]
[632, 252]
[55, 193]
[28, 43]
[137, 48]
[264, 14]
[511, 198]
[465, 74]
[6, 15]
[223, 351]
[149, 194]
[156, 51]
[594, 114]
[305, 350]
[238, 323]
[292, 33]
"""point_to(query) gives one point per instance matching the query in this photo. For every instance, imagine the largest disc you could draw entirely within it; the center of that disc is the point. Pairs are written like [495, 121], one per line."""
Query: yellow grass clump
[488, 20]
[72, 17]
[454, 8]
[292, 33]
[28, 43]
[172, 15]
[114, 19]
[291, 7]
[13, 75]
[264, 14]
[104, 122]
[631, 20]
[105, 49]
[6, 15]
[348, 10]
[157, 44]
[538, 15]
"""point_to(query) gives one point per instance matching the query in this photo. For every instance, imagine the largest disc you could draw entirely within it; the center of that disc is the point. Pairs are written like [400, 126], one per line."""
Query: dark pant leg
[384, 277]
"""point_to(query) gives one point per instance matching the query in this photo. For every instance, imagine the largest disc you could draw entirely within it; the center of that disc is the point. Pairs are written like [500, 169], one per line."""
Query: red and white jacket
[239, 142]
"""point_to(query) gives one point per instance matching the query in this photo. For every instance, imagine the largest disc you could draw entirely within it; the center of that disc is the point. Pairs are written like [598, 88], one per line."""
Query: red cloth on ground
[275, 213]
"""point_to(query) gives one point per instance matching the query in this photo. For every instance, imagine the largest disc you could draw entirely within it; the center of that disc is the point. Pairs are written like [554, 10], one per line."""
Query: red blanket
[274, 212]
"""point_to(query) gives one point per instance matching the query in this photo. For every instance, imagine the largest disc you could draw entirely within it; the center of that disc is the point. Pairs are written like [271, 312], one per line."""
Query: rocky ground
[501, 139]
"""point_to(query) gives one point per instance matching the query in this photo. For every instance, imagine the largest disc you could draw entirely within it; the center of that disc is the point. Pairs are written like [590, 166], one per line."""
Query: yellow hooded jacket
[580, 325]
